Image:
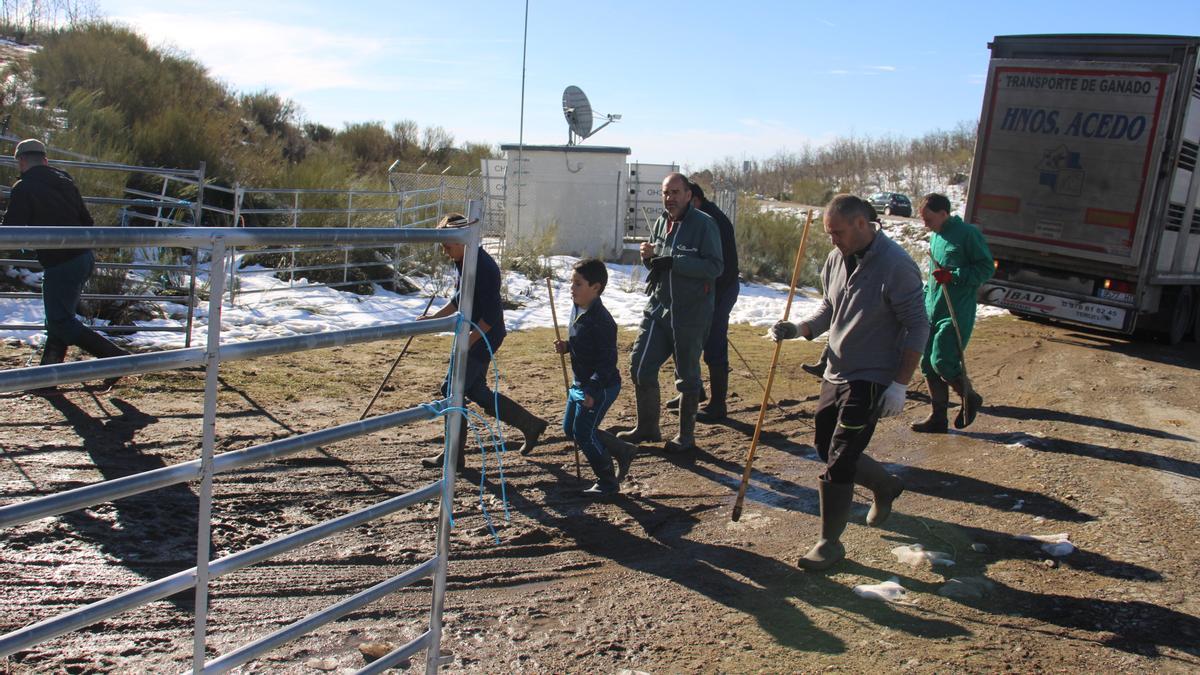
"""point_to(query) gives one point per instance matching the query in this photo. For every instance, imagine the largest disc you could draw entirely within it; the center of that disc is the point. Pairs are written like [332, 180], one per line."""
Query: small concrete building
[577, 192]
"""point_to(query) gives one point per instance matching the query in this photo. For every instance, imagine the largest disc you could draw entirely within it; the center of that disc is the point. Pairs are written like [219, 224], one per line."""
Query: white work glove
[784, 330]
[892, 401]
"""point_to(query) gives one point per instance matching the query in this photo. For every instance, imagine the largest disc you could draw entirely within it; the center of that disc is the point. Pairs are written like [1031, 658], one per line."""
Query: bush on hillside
[767, 243]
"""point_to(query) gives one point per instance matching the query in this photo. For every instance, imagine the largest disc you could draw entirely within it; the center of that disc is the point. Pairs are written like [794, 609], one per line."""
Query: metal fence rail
[220, 241]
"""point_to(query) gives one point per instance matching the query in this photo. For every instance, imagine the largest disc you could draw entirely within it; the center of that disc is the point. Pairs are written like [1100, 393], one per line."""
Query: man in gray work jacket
[684, 259]
[874, 310]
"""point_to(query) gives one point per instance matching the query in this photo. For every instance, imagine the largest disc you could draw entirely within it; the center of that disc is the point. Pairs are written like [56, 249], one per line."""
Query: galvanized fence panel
[341, 266]
[220, 241]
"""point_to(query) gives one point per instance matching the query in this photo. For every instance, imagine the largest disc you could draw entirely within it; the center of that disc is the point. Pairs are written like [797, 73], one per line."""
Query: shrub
[118, 282]
[767, 243]
[530, 256]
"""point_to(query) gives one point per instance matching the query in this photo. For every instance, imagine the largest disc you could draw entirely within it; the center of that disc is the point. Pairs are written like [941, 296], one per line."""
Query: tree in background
[25, 19]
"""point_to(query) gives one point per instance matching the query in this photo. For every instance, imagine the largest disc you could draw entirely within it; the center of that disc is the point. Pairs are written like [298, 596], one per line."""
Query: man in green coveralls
[961, 263]
[684, 259]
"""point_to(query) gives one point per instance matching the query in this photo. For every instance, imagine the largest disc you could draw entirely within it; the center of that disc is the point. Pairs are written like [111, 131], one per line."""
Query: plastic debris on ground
[888, 591]
[966, 588]
[1057, 545]
[916, 555]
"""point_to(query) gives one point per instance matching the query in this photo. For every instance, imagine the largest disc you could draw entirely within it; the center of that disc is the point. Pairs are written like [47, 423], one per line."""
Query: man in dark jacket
[487, 313]
[45, 196]
[716, 348]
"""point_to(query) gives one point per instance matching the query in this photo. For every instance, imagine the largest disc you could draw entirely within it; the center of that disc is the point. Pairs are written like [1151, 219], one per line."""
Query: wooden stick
[563, 360]
[762, 411]
[395, 363]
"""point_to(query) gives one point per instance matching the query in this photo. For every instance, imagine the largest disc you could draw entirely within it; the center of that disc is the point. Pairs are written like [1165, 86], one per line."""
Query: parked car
[891, 204]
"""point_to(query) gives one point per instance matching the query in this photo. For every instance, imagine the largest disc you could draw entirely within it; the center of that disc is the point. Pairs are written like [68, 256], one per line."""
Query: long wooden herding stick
[762, 411]
[395, 363]
[563, 360]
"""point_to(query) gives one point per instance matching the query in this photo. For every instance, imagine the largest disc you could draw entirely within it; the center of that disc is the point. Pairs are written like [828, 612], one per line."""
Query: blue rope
[496, 432]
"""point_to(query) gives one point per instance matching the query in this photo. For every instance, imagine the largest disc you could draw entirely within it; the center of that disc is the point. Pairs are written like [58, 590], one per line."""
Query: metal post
[349, 208]
[466, 291]
[198, 206]
[191, 312]
[212, 361]
[617, 239]
[295, 209]
[162, 195]
[238, 193]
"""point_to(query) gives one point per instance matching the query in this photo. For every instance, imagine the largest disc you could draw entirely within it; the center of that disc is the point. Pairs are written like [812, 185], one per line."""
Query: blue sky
[694, 81]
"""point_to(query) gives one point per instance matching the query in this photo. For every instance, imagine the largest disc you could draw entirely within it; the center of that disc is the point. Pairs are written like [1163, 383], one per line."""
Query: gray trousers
[659, 340]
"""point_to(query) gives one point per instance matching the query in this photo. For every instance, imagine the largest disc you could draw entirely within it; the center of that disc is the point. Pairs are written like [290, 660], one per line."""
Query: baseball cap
[30, 146]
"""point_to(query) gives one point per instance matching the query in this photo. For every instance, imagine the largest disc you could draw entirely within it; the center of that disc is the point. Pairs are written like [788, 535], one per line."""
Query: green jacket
[960, 248]
[685, 294]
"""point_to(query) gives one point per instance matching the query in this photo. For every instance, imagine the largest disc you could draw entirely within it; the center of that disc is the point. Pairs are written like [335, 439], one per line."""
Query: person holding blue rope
[592, 344]
[487, 315]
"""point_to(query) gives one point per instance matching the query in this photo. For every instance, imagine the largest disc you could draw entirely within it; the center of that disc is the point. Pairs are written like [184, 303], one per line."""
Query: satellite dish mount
[580, 116]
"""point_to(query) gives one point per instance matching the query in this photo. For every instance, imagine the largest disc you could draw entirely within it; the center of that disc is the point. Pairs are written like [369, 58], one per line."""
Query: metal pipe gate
[220, 241]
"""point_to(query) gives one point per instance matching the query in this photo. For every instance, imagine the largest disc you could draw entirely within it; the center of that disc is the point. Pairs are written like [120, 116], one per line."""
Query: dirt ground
[1081, 434]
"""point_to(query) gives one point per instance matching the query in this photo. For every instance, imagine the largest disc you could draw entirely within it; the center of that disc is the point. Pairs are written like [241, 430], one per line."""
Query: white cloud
[883, 69]
[250, 53]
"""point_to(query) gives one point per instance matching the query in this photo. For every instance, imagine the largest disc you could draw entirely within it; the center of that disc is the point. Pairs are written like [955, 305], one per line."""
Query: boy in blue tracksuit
[592, 343]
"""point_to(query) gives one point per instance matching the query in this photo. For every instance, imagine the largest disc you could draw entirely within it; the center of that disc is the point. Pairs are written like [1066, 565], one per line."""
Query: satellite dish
[578, 112]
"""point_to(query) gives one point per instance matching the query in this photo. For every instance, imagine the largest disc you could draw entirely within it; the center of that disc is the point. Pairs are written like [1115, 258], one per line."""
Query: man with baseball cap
[46, 196]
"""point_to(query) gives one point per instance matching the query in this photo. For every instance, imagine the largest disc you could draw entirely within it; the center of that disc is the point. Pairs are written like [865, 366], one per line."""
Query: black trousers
[845, 420]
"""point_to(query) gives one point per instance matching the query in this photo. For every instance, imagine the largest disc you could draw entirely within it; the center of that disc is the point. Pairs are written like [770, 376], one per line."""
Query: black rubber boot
[621, 451]
[673, 404]
[531, 426]
[714, 411]
[435, 462]
[647, 399]
[817, 369]
[835, 511]
[685, 440]
[939, 398]
[970, 403]
[54, 351]
[96, 345]
[608, 483]
[883, 485]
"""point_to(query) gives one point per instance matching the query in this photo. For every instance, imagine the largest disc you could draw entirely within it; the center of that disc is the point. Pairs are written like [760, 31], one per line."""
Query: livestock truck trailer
[1084, 180]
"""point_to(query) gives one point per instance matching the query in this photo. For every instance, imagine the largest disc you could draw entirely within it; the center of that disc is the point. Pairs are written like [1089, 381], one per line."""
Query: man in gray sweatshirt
[873, 308]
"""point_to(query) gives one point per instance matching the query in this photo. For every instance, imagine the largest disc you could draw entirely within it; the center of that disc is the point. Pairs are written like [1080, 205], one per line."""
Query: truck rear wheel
[1196, 318]
[1182, 307]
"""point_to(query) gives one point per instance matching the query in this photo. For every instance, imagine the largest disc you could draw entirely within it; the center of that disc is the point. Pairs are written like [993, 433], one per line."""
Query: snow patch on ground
[267, 307]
